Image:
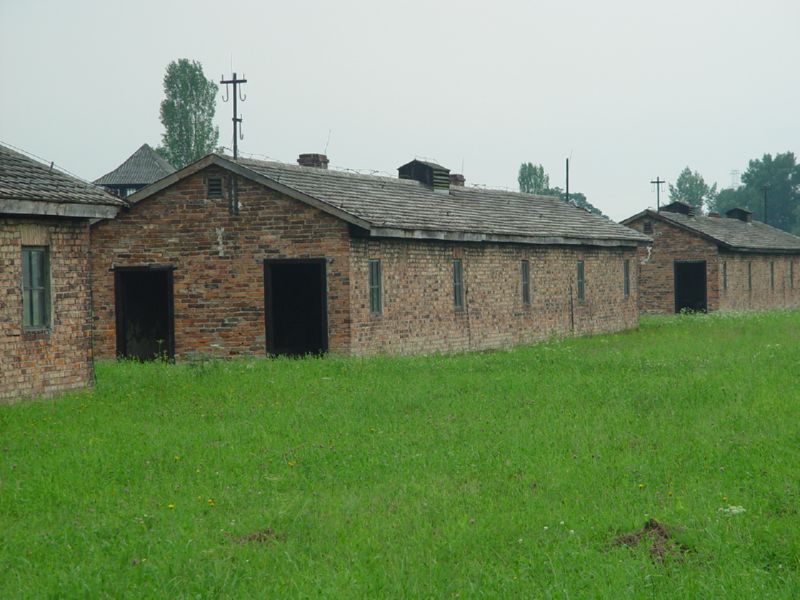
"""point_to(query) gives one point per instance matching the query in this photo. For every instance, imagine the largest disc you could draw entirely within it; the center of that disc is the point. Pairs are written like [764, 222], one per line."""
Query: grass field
[504, 474]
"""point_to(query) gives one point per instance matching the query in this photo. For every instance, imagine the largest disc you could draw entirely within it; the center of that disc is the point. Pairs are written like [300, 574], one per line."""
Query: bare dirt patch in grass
[263, 536]
[657, 536]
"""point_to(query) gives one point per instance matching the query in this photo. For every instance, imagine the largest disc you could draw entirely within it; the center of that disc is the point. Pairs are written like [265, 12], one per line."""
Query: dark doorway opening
[145, 323]
[295, 299]
[690, 286]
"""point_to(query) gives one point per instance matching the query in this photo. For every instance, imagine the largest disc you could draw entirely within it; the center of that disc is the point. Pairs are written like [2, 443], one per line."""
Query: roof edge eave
[471, 236]
[58, 209]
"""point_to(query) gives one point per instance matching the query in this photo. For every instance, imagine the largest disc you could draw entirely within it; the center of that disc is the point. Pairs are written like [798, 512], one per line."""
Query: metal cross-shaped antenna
[237, 120]
[658, 183]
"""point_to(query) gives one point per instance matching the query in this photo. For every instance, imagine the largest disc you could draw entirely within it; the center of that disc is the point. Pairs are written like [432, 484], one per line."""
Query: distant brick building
[238, 257]
[701, 263]
[44, 277]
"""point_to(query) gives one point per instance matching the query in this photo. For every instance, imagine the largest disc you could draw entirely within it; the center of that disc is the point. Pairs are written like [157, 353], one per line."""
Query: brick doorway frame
[269, 308]
[119, 306]
[676, 265]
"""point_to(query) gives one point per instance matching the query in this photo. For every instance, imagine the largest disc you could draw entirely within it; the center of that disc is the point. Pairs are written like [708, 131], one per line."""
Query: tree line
[776, 179]
[532, 179]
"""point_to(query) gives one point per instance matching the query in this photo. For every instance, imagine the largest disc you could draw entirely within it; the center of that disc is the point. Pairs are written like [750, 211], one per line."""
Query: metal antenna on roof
[765, 189]
[237, 120]
[327, 142]
[658, 183]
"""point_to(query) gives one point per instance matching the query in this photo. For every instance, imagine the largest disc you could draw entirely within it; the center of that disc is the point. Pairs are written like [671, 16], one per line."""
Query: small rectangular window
[724, 276]
[581, 291]
[458, 284]
[215, 187]
[233, 195]
[525, 273]
[749, 276]
[375, 287]
[626, 278]
[647, 227]
[791, 274]
[772, 275]
[35, 288]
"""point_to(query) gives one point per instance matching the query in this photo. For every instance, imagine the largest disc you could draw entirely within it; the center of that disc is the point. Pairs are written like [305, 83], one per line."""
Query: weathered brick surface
[762, 294]
[418, 312]
[45, 362]
[219, 299]
[671, 243]
[218, 261]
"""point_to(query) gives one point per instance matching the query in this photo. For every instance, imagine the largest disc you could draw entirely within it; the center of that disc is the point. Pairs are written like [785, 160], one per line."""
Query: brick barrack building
[708, 263]
[229, 257]
[44, 276]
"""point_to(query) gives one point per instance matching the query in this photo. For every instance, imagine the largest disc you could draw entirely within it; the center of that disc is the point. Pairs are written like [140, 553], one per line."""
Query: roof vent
[457, 180]
[740, 213]
[430, 174]
[679, 207]
[320, 161]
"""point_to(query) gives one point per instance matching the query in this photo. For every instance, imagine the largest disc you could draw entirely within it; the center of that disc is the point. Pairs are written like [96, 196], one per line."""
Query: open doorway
[690, 286]
[295, 300]
[145, 322]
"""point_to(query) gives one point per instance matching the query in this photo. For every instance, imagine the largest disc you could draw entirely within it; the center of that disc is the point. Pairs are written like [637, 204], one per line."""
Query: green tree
[532, 179]
[691, 188]
[781, 176]
[729, 198]
[187, 113]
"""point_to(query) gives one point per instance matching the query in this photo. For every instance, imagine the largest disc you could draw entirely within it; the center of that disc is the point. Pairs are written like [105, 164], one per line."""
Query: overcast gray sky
[630, 89]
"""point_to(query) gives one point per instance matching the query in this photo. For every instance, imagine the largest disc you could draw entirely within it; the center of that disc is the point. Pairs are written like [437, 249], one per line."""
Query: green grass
[504, 474]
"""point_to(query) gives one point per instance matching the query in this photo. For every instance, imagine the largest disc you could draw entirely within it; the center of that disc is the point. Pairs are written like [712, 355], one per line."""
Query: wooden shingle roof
[33, 188]
[405, 208]
[143, 167]
[404, 205]
[730, 233]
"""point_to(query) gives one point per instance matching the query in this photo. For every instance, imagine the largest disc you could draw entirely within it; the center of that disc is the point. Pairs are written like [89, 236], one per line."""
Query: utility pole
[764, 189]
[567, 180]
[237, 120]
[658, 183]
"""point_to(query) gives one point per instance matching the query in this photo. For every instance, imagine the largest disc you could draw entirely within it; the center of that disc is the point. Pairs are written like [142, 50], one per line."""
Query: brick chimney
[319, 161]
[740, 213]
[457, 180]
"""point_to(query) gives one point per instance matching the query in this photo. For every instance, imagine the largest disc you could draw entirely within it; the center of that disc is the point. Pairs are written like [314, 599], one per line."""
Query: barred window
[375, 287]
[626, 278]
[647, 227]
[791, 273]
[525, 274]
[581, 287]
[458, 284]
[35, 287]
[772, 275]
[724, 276]
[749, 276]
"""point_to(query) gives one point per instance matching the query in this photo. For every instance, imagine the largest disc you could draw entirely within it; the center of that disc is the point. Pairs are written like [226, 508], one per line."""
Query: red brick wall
[656, 264]
[219, 304]
[218, 260]
[762, 294]
[418, 312]
[45, 362]
[671, 243]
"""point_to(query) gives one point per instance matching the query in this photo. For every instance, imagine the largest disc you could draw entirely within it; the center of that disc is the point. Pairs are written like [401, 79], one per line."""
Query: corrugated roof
[143, 167]
[403, 204]
[732, 233]
[25, 179]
